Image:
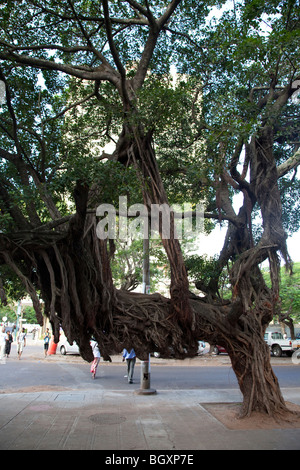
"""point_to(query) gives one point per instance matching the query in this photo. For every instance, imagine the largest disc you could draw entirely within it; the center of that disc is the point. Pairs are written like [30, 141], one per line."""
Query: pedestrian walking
[97, 355]
[21, 340]
[46, 341]
[8, 341]
[2, 345]
[130, 359]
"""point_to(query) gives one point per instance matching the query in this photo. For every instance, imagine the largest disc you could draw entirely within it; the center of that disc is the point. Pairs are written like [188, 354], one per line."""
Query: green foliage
[127, 265]
[201, 267]
[9, 311]
[290, 189]
[223, 65]
[12, 284]
[289, 290]
[29, 315]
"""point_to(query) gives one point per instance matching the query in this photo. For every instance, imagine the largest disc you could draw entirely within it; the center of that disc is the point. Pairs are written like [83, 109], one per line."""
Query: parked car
[278, 344]
[201, 347]
[66, 348]
[219, 349]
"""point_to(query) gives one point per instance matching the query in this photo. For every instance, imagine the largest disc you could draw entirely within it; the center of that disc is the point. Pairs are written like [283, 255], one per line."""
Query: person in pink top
[97, 355]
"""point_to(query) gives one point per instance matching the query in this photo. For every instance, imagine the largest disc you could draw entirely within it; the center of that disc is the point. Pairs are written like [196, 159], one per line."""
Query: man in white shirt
[2, 345]
[21, 340]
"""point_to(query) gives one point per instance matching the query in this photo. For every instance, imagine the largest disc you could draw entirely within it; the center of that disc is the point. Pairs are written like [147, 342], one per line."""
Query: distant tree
[29, 314]
[289, 312]
[9, 312]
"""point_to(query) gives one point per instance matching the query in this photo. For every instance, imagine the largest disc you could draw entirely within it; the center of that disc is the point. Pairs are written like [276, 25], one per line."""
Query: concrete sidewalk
[126, 421]
[123, 420]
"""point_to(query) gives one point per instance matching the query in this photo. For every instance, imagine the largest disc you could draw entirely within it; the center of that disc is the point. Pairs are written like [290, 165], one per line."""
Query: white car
[201, 348]
[66, 348]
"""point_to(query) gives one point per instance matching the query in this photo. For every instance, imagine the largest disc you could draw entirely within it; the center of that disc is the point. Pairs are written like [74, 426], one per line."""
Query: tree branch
[114, 51]
[103, 72]
[290, 164]
[155, 28]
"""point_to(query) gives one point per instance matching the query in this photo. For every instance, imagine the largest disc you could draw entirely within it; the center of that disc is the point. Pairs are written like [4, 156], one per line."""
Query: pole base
[145, 391]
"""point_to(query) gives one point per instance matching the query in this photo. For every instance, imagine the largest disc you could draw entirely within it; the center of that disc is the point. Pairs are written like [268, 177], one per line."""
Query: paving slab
[125, 421]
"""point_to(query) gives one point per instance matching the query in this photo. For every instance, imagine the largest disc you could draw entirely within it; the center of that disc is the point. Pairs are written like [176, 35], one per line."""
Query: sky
[212, 244]
[293, 244]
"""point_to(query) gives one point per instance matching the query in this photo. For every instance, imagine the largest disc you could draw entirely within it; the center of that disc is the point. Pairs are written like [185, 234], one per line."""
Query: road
[35, 373]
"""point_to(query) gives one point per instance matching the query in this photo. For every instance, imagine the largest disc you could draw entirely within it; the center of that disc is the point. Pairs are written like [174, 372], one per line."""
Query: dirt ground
[228, 415]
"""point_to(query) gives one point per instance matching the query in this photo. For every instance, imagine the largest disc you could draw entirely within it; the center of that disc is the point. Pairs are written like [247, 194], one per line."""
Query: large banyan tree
[77, 75]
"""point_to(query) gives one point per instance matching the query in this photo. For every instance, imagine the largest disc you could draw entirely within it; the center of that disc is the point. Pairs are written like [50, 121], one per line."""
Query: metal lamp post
[145, 365]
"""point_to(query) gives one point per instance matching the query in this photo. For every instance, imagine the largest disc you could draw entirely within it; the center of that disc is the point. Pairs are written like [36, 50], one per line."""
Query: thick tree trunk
[257, 381]
[242, 336]
[255, 303]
